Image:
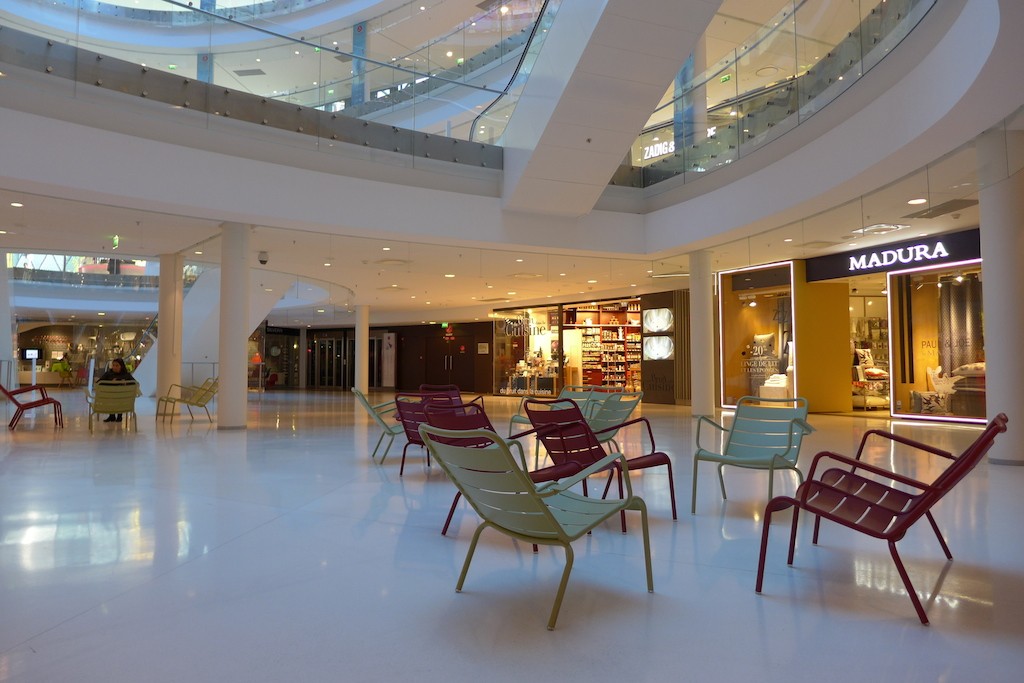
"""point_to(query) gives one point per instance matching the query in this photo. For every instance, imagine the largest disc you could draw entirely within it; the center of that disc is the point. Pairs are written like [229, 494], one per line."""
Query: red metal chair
[882, 510]
[452, 391]
[471, 416]
[17, 397]
[563, 430]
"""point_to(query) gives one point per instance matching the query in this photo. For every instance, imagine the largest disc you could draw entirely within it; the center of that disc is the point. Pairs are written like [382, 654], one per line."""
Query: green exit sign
[726, 78]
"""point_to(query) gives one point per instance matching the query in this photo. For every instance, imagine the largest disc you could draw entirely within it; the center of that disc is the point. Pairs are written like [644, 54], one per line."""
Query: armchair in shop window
[500, 490]
[382, 414]
[23, 401]
[765, 434]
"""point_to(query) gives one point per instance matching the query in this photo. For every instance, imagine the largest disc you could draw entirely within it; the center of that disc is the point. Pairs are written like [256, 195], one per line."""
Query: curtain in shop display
[960, 320]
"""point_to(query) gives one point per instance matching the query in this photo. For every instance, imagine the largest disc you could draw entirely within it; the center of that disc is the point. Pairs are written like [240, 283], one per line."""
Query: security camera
[263, 257]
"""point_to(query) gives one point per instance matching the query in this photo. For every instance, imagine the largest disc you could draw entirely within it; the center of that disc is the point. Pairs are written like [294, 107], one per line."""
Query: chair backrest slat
[564, 431]
[760, 428]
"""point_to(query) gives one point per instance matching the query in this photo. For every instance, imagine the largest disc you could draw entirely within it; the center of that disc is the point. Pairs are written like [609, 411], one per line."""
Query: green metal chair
[765, 434]
[379, 412]
[188, 396]
[110, 398]
[499, 488]
[613, 410]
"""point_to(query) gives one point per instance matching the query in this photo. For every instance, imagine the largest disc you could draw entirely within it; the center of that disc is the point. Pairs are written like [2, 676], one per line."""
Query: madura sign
[956, 246]
[915, 253]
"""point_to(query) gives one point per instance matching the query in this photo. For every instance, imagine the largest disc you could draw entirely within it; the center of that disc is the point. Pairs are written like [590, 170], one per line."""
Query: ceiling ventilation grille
[944, 208]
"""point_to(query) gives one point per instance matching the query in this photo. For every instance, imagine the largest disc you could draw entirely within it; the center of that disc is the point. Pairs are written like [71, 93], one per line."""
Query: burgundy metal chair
[864, 503]
[470, 416]
[452, 391]
[410, 410]
[563, 430]
[18, 398]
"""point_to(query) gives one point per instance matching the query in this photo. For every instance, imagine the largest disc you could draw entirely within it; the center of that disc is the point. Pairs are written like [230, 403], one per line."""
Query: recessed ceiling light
[427, 302]
[591, 282]
[519, 260]
[319, 310]
[394, 285]
[198, 253]
[449, 274]
[561, 274]
[511, 293]
[101, 313]
[327, 264]
[788, 239]
[385, 248]
[17, 205]
[919, 200]
[267, 289]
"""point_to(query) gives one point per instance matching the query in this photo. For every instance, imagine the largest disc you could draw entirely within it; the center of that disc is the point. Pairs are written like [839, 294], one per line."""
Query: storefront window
[756, 325]
[602, 342]
[938, 345]
[527, 352]
[869, 338]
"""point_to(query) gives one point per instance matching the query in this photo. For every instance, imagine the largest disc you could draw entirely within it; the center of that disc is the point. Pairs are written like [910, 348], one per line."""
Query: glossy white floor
[283, 553]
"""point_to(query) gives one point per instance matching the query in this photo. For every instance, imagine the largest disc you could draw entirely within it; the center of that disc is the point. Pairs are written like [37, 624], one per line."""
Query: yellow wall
[822, 334]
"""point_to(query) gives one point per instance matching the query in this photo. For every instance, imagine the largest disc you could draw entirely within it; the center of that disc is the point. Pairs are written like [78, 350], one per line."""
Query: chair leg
[451, 512]
[642, 507]
[792, 535]
[693, 495]
[208, 416]
[721, 480]
[906, 582]
[672, 489]
[817, 525]
[469, 555]
[391, 440]
[377, 447]
[774, 505]
[401, 468]
[17, 416]
[561, 587]
[938, 535]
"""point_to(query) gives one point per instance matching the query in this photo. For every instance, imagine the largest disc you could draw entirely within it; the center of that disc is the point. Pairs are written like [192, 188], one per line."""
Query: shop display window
[756, 330]
[938, 347]
[528, 357]
[602, 342]
[869, 339]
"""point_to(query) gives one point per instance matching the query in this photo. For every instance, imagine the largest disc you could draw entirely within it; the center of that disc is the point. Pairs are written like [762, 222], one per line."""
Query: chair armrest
[380, 407]
[601, 465]
[25, 390]
[522, 453]
[860, 465]
[635, 420]
[903, 440]
[704, 419]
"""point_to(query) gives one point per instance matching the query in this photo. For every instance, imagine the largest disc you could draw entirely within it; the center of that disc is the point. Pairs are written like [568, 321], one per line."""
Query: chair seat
[842, 496]
[553, 472]
[650, 460]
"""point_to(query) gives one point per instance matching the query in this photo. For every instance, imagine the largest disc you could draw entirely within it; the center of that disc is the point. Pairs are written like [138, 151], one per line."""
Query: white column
[234, 326]
[702, 334]
[362, 378]
[1002, 252]
[169, 323]
[7, 327]
[303, 357]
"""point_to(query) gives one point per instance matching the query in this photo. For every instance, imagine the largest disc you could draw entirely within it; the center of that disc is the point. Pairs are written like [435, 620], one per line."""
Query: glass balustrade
[381, 84]
[785, 72]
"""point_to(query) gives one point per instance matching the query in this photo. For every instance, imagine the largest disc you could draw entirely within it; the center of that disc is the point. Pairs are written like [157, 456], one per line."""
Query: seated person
[118, 372]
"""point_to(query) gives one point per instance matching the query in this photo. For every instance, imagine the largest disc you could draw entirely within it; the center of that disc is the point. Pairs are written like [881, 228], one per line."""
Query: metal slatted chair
[380, 413]
[22, 402]
[765, 434]
[189, 396]
[612, 413]
[470, 417]
[876, 501]
[560, 425]
[114, 398]
[500, 490]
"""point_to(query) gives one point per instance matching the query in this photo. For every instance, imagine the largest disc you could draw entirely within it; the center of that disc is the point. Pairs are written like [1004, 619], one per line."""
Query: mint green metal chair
[613, 410]
[765, 434]
[499, 488]
[379, 413]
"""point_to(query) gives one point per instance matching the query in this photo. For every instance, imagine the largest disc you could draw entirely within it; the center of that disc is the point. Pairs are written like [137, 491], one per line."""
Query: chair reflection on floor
[500, 490]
